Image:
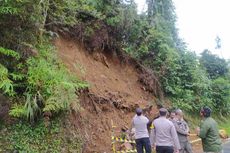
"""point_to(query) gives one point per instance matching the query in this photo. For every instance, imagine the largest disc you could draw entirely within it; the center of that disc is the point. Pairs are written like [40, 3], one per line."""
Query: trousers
[185, 147]
[164, 149]
[143, 143]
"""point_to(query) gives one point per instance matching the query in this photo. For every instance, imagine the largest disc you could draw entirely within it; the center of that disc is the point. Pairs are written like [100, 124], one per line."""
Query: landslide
[116, 89]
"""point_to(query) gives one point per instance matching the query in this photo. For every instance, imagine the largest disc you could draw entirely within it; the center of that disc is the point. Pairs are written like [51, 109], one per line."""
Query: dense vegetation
[22, 137]
[37, 83]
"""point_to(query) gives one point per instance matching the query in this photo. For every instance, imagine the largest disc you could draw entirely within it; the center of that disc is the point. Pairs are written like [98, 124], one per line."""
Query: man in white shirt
[141, 132]
[164, 134]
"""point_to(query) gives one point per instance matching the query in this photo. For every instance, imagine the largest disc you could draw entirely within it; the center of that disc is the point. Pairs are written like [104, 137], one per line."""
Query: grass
[193, 120]
[225, 125]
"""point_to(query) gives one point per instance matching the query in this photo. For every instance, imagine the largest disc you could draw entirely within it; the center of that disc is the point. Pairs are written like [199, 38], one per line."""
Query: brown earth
[115, 91]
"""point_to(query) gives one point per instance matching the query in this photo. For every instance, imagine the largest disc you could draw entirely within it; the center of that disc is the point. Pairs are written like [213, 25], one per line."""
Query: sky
[200, 22]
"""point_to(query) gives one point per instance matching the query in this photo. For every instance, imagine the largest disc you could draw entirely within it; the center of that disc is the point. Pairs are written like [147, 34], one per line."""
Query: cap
[207, 111]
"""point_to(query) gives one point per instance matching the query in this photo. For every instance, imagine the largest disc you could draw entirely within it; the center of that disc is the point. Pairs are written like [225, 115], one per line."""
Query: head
[139, 111]
[163, 112]
[205, 112]
[179, 114]
[172, 115]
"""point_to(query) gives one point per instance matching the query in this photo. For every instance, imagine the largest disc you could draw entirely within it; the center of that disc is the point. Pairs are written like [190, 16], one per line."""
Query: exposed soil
[114, 93]
[197, 146]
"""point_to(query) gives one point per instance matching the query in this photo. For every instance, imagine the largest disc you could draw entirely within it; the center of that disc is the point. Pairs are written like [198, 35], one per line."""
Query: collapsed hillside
[115, 91]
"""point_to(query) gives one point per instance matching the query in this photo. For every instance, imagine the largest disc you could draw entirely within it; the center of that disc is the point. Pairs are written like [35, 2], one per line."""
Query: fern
[46, 81]
[60, 100]
[5, 83]
[57, 85]
[9, 52]
[18, 111]
[16, 76]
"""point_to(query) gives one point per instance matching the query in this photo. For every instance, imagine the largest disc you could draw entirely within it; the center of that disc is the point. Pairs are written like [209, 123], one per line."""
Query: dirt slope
[113, 94]
[104, 75]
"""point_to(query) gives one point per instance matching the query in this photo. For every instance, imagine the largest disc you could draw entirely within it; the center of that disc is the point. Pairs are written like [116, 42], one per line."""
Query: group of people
[169, 133]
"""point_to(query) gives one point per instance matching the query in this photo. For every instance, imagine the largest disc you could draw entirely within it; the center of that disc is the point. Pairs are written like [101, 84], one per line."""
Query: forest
[36, 83]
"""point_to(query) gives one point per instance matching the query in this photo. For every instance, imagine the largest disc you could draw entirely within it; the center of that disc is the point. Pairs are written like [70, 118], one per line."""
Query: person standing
[140, 122]
[208, 132]
[164, 136]
[182, 132]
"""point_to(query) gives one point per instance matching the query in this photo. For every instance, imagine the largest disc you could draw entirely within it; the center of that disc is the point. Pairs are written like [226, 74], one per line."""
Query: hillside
[70, 68]
[114, 93]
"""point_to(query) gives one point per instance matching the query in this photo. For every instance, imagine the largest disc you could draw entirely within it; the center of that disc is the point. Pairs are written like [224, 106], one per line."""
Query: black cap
[207, 111]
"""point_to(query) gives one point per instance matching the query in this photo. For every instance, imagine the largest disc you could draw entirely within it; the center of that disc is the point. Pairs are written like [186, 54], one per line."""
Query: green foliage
[41, 82]
[225, 124]
[23, 137]
[214, 65]
[5, 83]
[55, 84]
[31, 107]
[151, 37]
[24, 21]
[9, 52]
[19, 22]
[18, 111]
[185, 79]
[49, 86]
[221, 95]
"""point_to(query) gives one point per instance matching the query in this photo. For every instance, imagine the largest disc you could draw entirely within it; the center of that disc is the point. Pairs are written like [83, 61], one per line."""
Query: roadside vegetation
[225, 124]
[23, 137]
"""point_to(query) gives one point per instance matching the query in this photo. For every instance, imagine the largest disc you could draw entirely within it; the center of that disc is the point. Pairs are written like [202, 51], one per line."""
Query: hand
[154, 146]
[177, 151]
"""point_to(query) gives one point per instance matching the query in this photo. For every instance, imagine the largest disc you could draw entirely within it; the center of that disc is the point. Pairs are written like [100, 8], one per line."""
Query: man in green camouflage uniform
[208, 132]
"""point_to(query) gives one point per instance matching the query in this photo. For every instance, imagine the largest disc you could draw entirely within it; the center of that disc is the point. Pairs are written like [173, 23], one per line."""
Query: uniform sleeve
[180, 129]
[175, 138]
[203, 130]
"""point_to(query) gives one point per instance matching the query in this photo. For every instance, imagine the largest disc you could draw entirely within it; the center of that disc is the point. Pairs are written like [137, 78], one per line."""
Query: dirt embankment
[115, 91]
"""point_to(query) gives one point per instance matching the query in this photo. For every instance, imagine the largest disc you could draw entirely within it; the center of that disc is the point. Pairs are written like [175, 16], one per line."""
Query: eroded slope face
[113, 94]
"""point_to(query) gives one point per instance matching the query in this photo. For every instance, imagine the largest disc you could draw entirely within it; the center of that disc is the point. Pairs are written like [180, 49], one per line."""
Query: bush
[42, 83]
[22, 137]
[221, 95]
